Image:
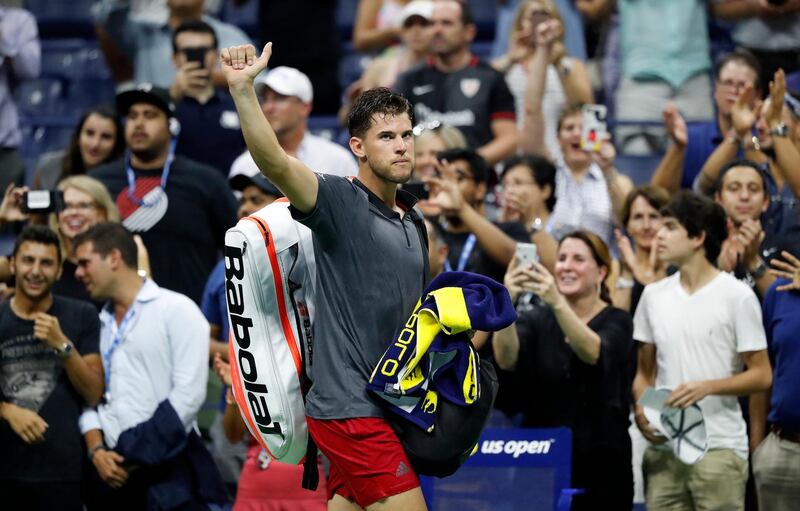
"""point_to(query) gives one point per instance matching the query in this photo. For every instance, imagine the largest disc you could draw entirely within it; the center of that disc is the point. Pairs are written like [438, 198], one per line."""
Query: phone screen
[196, 55]
[594, 129]
[526, 253]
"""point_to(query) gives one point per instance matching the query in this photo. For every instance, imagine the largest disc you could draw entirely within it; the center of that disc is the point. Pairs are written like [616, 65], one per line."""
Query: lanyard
[466, 251]
[107, 355]
[164, 176]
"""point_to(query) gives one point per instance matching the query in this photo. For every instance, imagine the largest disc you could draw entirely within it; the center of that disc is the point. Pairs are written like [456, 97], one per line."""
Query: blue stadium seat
[63, 18]
[42, 135]
[485, 12]
[351, 65]
[482, 49]
[43, 96]
[638, 168]
[63, 58]
[88, 92]
[244, 17]
[327, 126]
[346, 18]
[513, 470]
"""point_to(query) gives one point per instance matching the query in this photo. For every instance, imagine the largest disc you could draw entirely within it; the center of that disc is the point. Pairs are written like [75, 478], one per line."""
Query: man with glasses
[475, 244]
[692, 144]
[209, 123]
[181, 208]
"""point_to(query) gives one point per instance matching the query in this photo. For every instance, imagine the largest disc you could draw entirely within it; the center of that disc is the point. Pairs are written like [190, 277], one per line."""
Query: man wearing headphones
[181, 208]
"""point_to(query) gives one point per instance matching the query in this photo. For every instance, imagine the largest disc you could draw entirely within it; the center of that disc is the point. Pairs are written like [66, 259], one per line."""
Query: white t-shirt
[319, 154]
[553, 102]
[701, 337]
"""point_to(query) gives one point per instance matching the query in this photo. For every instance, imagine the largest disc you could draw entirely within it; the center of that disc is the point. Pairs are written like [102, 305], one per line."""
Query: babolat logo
[516, 447]
[240, 328]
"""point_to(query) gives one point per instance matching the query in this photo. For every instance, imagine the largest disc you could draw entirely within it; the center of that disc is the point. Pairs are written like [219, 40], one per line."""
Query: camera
[42, 201]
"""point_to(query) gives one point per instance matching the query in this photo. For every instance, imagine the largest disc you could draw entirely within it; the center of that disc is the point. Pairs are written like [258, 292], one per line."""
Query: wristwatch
[780, 130]
[536, 226]
[65, 350]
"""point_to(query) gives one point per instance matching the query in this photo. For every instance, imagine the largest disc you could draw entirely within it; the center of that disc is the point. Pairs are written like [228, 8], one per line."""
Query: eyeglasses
[731, 84]
[79, 206]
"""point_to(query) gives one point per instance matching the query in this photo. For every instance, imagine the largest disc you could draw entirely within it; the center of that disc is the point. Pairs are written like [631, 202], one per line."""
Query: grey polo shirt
[370, 274]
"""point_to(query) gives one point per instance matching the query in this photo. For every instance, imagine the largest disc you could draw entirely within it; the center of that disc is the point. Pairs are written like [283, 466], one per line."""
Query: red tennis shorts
[368, 462]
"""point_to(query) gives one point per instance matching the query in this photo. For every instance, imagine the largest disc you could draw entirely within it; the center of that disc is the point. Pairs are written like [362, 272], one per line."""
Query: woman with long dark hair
[574, 357]
[97, 139]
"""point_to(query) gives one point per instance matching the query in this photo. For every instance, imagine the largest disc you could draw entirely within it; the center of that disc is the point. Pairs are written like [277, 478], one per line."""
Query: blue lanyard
[115, 344]
[164, 176]
[466, 251]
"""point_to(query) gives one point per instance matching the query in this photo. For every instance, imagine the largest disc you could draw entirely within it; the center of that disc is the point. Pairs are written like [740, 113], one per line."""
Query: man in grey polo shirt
[371, 260]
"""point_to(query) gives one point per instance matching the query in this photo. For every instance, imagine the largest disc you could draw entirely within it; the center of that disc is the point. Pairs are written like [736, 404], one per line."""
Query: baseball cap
[241, 181]
[421, 8]
[684, 428]
[287, 81]
[145, 93]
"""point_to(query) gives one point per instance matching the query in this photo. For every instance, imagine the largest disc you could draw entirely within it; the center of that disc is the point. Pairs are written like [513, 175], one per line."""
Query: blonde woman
[86, 203]
[537, 57]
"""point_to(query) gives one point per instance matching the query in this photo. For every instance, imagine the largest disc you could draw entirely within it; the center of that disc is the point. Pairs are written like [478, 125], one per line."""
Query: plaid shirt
[584, 204]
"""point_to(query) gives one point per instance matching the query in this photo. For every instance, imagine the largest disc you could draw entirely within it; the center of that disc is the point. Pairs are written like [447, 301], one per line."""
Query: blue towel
[432, 357]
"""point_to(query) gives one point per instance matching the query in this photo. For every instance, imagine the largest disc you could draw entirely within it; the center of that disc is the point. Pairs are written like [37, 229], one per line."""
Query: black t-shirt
[210, 132]
[183, 232]
[469, 99]
[556, 388]
[32, 376]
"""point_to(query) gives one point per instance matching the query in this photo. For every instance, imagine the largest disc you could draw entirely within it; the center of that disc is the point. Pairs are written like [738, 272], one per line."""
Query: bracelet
[94, 450]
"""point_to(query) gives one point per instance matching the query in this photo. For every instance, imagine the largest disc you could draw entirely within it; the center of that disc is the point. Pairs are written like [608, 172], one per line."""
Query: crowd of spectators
[113, 302]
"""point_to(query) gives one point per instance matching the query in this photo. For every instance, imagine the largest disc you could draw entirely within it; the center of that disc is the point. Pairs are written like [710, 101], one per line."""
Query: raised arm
[290, 175]
[670, 169]
[743, 117]
[786, 154]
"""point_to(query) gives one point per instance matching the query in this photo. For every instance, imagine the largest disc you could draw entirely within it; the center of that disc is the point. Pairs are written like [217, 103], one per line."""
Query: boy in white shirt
[695, 329]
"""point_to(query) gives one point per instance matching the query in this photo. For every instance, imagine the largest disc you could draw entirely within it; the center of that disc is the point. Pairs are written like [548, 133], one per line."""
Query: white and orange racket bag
[269, 283]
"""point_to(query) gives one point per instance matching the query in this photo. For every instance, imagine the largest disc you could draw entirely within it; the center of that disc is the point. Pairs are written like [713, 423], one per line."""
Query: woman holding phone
[536, 51]
[575, 358]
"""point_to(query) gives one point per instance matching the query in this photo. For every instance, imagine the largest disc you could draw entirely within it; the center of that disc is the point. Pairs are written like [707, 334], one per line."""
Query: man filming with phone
[210, 131]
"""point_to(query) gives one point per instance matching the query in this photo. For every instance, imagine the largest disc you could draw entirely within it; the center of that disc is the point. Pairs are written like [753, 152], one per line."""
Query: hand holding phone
[42, 201]
[196, 55]
[526, 254]
[594, 130]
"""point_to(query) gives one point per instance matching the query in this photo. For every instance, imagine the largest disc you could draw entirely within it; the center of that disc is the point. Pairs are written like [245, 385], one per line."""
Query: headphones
[174, 127]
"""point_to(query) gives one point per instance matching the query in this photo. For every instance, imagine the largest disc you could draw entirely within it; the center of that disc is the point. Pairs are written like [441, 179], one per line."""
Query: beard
[385, 172]
[149, 154]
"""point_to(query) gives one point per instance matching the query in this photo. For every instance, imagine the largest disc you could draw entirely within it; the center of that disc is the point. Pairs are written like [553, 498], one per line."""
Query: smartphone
[42, 201]
[418, 190]
[526, 253]
[196, 55]
[595, 129]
